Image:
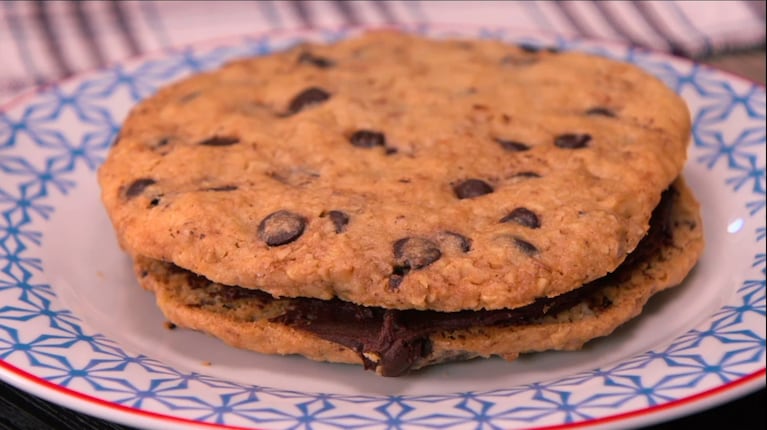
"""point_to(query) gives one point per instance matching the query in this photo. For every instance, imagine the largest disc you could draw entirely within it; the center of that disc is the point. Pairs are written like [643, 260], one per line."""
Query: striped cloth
[44, 41]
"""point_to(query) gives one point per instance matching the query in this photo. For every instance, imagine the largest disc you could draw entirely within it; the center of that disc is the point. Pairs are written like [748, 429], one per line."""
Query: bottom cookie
[394, 342]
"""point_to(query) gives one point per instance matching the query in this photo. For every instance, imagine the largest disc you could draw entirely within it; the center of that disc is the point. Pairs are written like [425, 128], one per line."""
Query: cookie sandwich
[397, 201]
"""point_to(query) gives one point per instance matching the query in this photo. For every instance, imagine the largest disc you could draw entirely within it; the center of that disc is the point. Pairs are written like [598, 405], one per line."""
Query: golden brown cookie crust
[306, 172]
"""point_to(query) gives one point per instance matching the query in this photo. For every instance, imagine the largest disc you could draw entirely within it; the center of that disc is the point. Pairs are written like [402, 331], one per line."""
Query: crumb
[206, 363]
[100, 274]
[169, 325]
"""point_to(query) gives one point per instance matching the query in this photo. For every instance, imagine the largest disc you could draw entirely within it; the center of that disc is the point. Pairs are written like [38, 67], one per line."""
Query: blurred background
[43, 41]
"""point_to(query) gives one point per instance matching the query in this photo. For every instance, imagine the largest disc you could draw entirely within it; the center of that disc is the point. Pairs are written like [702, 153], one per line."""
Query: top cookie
[397, 171]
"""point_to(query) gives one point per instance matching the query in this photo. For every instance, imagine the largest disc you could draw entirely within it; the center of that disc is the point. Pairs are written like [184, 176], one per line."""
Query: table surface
[20, 410]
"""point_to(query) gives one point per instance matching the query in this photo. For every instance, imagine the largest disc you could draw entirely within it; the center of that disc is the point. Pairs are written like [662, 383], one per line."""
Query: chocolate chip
[601, 111]
[138, 186]
[471, 188]
[220, 141]
[195, 281]
[529, 48]
[367, 139]
[154, 202]
[522, 216]
[340, 220]
[281, 227]
[463, 242]
[572, 141]
[311, 59]
[306, 98]
[222, 188]
[512, 145]
[162, 142]
[525, 246]
[526, 175]
[415, 252]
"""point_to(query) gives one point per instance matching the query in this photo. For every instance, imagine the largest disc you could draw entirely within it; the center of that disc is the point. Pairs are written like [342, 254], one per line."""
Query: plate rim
[91, 405]
[102, 408]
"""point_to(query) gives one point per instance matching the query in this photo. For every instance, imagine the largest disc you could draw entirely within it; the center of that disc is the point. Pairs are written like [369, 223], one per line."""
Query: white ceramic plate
[76, 329]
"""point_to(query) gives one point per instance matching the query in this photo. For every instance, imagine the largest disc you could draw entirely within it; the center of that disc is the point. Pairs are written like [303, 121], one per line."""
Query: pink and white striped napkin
[43, 41]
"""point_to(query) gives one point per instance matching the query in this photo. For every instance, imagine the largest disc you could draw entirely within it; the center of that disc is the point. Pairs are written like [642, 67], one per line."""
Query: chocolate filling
[391, 341]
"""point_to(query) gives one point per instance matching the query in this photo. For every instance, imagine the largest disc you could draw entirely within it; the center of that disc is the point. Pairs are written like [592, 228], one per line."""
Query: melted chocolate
[391, 341]
[400, 337]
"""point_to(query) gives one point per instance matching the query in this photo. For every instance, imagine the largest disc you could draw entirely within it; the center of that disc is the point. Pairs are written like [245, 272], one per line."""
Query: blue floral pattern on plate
[52, 142]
